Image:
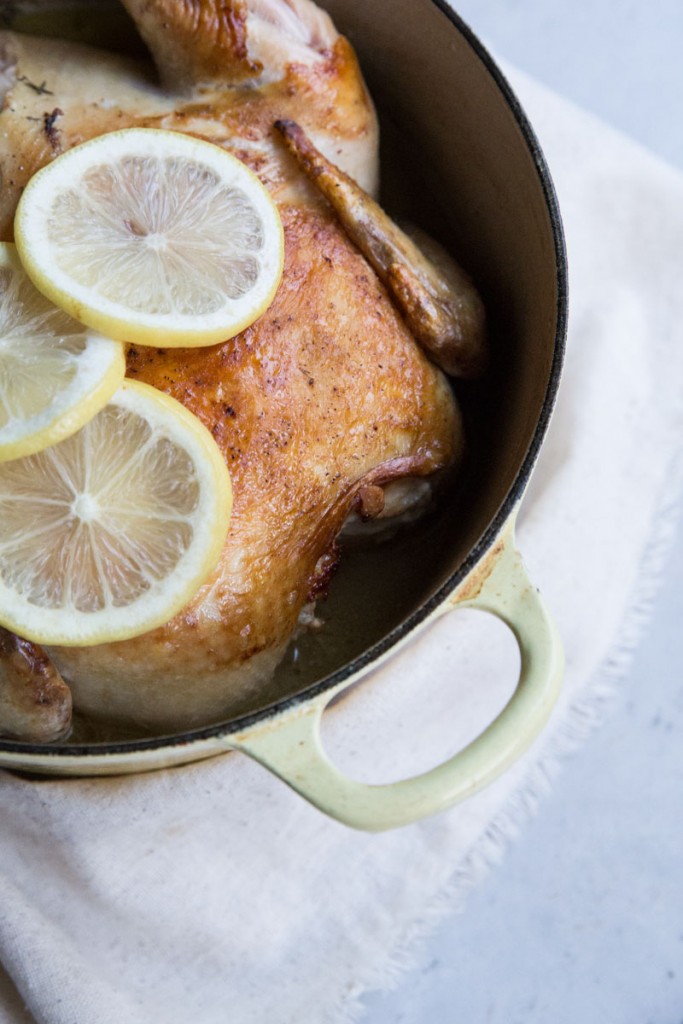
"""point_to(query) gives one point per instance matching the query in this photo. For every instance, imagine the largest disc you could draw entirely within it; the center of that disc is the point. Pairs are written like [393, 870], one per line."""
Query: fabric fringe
[580, 720]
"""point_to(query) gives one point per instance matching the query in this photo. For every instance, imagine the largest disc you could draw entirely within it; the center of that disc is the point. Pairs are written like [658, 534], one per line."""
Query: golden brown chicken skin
[325, 394]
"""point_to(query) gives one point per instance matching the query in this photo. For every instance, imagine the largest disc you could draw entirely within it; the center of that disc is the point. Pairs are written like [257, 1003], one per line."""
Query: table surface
[583, 919]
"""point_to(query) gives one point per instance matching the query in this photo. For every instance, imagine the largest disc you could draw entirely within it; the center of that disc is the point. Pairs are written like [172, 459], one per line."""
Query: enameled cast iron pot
[461, 159]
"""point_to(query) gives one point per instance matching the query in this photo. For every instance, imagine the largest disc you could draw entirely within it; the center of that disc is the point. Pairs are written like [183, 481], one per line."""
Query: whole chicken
[330, 406]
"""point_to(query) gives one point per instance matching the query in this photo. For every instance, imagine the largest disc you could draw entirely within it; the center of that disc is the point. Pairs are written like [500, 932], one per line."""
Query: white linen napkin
[212, 893]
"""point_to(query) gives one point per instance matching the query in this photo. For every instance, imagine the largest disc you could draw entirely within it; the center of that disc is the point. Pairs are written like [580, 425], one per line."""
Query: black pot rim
[361, 663]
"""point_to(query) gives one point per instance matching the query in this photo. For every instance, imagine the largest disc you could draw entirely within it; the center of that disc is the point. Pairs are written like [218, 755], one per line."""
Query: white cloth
[212, 893]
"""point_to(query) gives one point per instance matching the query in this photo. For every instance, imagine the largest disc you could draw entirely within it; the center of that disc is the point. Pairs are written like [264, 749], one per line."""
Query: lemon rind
[47, 626]
[74, 417]
[114, 319]
[85, 405]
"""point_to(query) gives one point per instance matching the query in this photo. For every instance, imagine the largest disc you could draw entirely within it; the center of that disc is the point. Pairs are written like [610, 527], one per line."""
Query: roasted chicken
[328, 407]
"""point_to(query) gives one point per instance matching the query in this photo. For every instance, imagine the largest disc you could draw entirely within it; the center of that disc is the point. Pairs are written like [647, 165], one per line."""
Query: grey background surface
[582, 923]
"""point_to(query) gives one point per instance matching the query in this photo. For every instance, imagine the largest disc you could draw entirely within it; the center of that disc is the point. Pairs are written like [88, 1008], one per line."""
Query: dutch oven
[454, 133]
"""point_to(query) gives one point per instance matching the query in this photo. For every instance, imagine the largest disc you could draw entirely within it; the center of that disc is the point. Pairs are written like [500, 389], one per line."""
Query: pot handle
[290, 745]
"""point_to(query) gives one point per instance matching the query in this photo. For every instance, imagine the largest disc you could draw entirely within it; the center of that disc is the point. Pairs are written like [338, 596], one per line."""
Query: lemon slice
[54, 373]
[152, 236]
[109, 533]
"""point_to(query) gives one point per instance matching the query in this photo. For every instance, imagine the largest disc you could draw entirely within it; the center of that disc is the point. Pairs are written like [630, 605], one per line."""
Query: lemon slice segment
[109, 533]
[54, 373]
[152, 236]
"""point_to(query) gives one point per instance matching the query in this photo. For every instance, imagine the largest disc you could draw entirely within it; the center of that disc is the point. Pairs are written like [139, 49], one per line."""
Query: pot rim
[362, 662]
